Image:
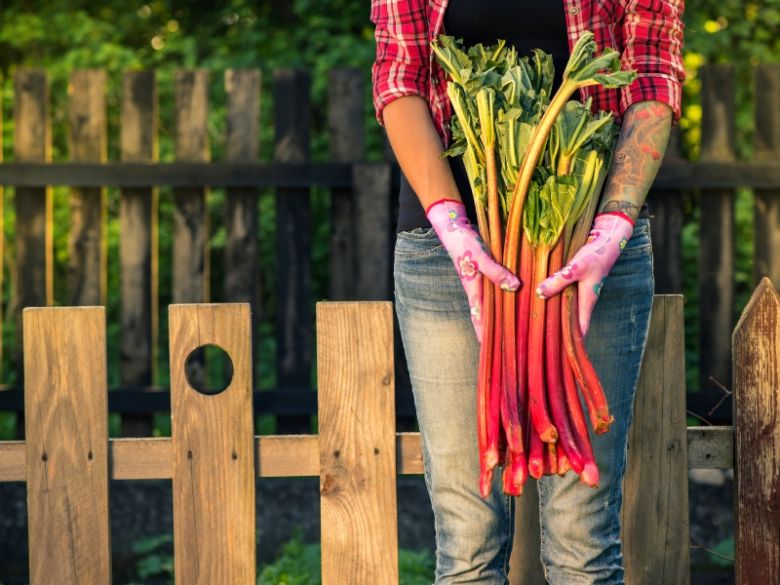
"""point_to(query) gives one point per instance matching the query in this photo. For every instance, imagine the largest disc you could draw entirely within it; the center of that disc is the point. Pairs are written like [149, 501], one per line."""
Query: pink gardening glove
[592, 263]
[469, 253]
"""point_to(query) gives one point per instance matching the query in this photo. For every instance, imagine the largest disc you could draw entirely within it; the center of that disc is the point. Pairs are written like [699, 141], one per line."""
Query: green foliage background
[317, 35]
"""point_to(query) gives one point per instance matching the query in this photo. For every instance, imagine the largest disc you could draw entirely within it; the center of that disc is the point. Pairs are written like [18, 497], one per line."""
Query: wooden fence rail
[362, 196]
[213, 456]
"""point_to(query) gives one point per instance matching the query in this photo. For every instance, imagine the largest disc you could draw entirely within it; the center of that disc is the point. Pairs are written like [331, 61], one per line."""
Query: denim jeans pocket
[639, 243]
[416, 242]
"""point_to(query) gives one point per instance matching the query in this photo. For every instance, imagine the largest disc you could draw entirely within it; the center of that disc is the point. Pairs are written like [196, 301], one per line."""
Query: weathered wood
[345, 124]
[293, 243]
[525, 565]
[87, 279]
[757, 433]
[710, 447]
[67, 445]
[766, 147]
[33, 280]
[2, 231]
[357, 443]
[190, 253]
[655, 504]
[138, 245]
[372, 231]
[241, 256]
[213, 450]
[666, 227]
[716, 231]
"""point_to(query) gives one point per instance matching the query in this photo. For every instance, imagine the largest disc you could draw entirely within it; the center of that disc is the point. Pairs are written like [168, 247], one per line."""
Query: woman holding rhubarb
[440, 260]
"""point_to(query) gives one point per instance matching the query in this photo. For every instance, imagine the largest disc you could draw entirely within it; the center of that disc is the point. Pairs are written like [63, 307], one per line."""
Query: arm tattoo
[640, 150]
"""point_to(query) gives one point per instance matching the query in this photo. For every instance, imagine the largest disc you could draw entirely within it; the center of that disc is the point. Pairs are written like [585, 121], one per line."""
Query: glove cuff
[625, 216]
[442, 200]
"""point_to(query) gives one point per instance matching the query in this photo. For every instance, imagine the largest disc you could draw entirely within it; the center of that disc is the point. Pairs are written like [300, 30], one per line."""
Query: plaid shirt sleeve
[402, 54]
[652, 45]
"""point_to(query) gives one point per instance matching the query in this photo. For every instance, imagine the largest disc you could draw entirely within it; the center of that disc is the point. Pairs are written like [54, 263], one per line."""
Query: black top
[527, 25]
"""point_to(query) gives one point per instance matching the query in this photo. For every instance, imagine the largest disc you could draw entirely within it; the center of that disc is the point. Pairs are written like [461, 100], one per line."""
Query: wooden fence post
[357, 443]
[757, 438]
[767, 148]
[293, 245]
[345, 125]
[66, 414]
[87, 142]
[655, 505]
[666, 227]
[213, 450]
[34, 278]
[716, 232]
[138, 245]
[373, 270]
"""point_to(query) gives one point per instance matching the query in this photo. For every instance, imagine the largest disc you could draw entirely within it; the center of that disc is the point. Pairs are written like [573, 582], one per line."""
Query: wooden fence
[213, 455]
[362, 198]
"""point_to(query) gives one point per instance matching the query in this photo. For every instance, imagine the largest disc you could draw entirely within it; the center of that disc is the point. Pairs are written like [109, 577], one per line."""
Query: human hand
[469, 254]
[591, 264]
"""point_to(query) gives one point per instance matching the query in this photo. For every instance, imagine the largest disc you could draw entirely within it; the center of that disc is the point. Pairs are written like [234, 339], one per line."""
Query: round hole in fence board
[208, 369]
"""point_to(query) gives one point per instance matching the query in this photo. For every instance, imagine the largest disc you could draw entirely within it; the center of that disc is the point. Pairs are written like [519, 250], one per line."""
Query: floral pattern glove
[591, 264]
[469, 253]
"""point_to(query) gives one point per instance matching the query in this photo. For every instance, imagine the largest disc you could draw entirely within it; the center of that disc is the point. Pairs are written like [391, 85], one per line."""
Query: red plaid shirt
[648, 34]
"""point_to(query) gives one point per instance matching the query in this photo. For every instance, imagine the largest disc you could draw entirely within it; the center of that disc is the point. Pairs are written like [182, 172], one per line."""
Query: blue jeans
[580, 526]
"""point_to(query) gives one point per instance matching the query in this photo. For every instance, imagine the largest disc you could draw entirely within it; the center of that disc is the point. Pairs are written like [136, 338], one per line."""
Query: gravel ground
[143, 508]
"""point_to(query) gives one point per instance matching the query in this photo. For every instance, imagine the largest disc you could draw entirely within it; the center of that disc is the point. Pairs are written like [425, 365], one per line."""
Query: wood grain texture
[757, 430]
[293, 243]
[716, 233]
[347, 144]
[655, 504]
[66, 418]
[190, 222]
[138, 245]
[766, 147]
[665, 207]
[710, 447]
[241, 215]
[87, 277]
[372, 232]
[357, 444]
[213, 451]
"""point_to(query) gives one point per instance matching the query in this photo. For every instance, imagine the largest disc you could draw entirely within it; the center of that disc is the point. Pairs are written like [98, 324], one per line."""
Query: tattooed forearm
[640, 149]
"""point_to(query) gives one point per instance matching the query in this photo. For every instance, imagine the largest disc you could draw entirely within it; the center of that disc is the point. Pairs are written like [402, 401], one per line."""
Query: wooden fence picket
[67, 445]
[359, 518]
[87, 142]
[213, 450]
[757, 438]
[138, 245]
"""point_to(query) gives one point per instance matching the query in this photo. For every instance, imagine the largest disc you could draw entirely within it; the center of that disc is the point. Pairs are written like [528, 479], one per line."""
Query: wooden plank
[181, 174]
[666, 227]
[372, 225]
[66, 417]
[766, 147]
[213, 450]
[655, 504]
[357, 443]
[757, 430]
[152, 458]
[138, 245]
[241, 271]
[191, 258]
[345, 124]
[87, 279]
[716, 231]
[710, 447]
[33, 279]
[525, 564]
[294, 337]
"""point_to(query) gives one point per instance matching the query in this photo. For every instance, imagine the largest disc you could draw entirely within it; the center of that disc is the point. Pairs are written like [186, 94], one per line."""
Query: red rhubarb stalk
[536, 389]
[535, 455]
[590, 472]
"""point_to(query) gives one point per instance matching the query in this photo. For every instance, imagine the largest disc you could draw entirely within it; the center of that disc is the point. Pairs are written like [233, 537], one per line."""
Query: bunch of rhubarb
[536, 163]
